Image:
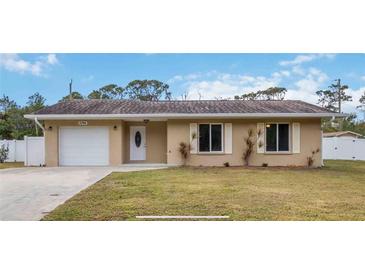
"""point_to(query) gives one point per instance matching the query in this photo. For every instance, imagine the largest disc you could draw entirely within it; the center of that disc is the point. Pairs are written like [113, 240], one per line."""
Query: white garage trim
[83, 146]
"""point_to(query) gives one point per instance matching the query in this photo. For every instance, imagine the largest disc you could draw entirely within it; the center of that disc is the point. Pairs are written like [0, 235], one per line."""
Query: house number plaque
[82, 123]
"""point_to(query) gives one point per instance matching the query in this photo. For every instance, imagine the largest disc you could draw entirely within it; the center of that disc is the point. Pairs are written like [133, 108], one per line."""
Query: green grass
[11, 165]
[335, 192]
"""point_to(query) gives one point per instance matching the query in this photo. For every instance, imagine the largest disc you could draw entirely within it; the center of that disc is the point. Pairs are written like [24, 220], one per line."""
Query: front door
[137, 143]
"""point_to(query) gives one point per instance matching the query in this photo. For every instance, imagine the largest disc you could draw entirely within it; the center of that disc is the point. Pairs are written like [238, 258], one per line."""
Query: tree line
[272, 93]
[13, 125]
[144, 90]
[330, 98]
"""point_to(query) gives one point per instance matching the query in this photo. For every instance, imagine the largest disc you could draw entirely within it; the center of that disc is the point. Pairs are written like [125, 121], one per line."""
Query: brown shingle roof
[183, 107]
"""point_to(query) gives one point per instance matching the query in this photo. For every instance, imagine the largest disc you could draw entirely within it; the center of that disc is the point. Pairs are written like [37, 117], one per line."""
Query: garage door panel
[84, 146]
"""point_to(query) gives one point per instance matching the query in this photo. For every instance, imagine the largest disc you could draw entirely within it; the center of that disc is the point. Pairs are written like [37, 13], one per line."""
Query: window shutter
[261, 138]
[193, 142]
[228, 138]
[296, 138]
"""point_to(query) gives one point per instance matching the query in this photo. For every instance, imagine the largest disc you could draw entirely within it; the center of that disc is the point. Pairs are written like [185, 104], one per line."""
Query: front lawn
[11, 165]
[335, 192]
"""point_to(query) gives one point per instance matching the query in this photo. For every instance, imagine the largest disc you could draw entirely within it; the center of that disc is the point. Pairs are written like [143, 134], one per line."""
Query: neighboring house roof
[227, 108]
[341, 133]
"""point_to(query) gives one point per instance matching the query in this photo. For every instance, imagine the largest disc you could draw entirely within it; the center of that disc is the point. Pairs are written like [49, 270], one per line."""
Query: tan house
[115, 132]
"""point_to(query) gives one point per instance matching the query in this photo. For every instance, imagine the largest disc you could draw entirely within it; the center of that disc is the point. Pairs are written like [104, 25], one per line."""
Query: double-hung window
[210, 137]
[277, 137]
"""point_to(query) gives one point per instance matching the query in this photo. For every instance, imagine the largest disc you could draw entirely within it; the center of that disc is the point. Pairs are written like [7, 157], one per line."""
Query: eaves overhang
[165, 116]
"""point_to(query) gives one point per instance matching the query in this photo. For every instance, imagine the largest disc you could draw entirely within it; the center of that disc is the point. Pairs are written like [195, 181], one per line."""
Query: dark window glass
[138, 139]
[216, 137]
[204, 137]
[271, 137]
[283, 137]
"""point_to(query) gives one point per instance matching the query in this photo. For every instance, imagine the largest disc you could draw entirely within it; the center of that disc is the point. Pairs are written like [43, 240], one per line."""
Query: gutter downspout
[39, 124]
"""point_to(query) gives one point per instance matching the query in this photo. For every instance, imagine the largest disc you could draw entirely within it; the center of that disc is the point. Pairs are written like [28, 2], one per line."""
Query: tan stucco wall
[115, 139]
[163, 140]
[179, 131]
[156, 141]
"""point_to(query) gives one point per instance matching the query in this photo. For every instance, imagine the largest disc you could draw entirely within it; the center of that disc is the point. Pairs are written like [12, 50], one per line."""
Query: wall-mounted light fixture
[115, 127]
[50, 128]
[146, 121]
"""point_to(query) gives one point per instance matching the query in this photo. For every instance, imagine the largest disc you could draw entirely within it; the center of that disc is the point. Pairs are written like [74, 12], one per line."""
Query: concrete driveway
[30, 193]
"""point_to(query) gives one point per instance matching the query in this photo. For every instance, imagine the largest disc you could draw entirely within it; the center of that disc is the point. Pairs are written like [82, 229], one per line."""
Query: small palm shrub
[184, 149]
[250, 142]
[4, 153]
[310, 159]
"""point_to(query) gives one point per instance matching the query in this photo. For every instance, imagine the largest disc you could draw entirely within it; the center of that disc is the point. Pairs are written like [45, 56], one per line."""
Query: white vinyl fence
[16, 150]
[30, 150]
[343, 148]
[34, 151]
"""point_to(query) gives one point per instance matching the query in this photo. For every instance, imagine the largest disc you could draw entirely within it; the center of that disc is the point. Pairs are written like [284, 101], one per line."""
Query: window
[210, 138]
[277, 137]
[271, 140]
[138, 139]
[204, 139]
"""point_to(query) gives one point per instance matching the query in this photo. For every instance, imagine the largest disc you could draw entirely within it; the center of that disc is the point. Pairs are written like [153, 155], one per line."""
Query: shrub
[4, 153]
[265, 164]
[310, 159]
[184, 149]
[226, 164]
[250, 142]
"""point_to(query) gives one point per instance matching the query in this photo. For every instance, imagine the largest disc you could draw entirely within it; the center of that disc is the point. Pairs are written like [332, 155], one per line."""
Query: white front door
[137, 143]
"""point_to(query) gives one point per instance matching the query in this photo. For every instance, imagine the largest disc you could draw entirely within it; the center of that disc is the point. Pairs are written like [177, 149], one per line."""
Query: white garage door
[84, 146]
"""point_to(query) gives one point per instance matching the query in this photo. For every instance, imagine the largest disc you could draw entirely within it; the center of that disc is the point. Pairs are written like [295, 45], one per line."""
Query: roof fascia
[180, 116]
